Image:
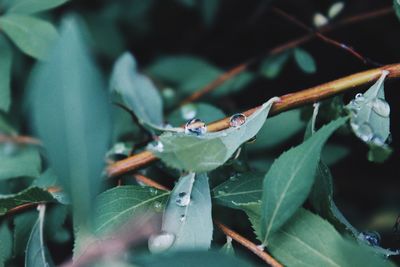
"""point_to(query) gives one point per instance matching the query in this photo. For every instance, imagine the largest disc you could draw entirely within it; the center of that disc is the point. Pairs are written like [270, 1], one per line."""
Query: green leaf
[5, 244]
[33, 6]
[192, 259]
[203, 111]
[19, 161]
[37, 254]
[138, 92]
[289, 180]
[211, 150]
[396, 6]
[239, 190]
[32, 195]
[209, 10]
[227, 248]
[188, 213]
[334, 153]
[304, 60]
[23, 223]
[189, 74]
[370, 113]
[70, 112]
[122, 204]
[5, 74]
[307, 240]
[272, 66]
[378, 153]
[278, 129]
[32, 35]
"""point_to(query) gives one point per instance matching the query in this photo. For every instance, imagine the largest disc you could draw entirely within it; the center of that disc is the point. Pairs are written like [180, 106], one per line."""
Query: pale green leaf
[33, 6]
[370, 113]
[211, 150]
[289, 180]
[396, 6]
[308, 240]
[188, 213]
[32, 35]
[240, 189]
[37, 254]
[32, 195]
[18, 161]
[138, 92]
[122, 204]
[272, 66]
[304, 60]
[203, 111]
[70, 112]
[23, 223]
[5, 74]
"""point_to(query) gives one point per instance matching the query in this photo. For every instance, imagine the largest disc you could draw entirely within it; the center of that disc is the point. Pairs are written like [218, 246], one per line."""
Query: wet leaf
[19, 161]
[272, 66]
[5, 74]
[33, 6]
[305, 61]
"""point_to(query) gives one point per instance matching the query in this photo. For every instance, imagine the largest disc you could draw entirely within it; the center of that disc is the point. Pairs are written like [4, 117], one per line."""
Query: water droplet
[153, 191]
[237, 120]
[364, 131]
[188, 111]
[168, 93]
[182, 218]
[183, 199]
[381, 107]
[320, 20]
[161, 242]
[157, 206]
[222, 193]
[233, 178]
[159, 146]
[261, 247]
[359, 96]
[377, 140]
[195, 126]
[371, 238]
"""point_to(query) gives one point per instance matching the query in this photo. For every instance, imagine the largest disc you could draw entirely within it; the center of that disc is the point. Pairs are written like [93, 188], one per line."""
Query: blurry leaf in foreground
[5, 244]
[138, 92]
[396, 6]
[33, 6]
[5, 74]
[70, 112]
[304, 60]
[16, 161]
[32, 35]
[289, 180]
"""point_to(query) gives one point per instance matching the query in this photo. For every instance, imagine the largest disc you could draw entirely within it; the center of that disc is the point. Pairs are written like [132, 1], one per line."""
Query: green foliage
[396, 6]
[207, 152]
[272, 66]
[188, 213]
[19, 161]
[5, 244]
[304, 60]
[32, 35]
[5, 74]
[137, 91]
[228, 248]
[79, 122]
[289, 180]
[120, 205]
[32, 195]
[33, 6]
[206, 112]
[307, 240]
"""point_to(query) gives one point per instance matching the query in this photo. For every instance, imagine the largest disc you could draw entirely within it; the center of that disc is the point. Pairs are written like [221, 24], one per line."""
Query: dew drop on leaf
[371, 238]
[153, 191]
[182, 218]
[183, 199]
[381, 107]
[195, 126]
[237, 120]
[188, 111]
[157, 206]
[161, 242]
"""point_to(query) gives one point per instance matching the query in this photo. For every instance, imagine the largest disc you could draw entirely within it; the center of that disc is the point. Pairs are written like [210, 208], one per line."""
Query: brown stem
[248, 244]
[281, 48]
[288, 101]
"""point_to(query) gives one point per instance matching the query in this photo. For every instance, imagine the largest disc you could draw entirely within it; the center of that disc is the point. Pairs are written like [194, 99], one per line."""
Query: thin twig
[324, 38]
[248, 244]
[281, 48]
[19, 139]
[288, 101]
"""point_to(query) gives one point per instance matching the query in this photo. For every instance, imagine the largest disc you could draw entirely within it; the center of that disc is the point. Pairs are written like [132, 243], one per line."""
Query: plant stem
[26, 140]
[288, 101]
[281, 48]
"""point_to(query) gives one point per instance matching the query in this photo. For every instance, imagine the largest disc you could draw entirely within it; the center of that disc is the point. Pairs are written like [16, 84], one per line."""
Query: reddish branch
[281, 48]
[287, 102]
